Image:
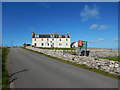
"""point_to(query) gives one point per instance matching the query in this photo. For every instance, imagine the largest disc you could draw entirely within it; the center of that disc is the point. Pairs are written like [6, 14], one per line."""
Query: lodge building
[51, 40]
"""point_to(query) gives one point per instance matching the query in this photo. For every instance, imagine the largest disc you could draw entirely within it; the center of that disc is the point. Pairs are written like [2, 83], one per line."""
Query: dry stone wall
[112, 67]
[103, 53]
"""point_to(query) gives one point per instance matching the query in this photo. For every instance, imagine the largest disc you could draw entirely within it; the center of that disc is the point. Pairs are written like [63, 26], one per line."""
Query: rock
[111, 65]
[116, 65]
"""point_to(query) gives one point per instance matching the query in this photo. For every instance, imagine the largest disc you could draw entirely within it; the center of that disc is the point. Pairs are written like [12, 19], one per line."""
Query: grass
[74, 53]
[117, 58]
[79, 65]
[5, 75]
[101, 48]
[56, 48]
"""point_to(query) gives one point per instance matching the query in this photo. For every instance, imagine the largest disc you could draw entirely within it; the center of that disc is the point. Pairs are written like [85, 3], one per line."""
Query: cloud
[96, 41]
[100, 27]
[116, 39]
[94, 26]
[90, 13]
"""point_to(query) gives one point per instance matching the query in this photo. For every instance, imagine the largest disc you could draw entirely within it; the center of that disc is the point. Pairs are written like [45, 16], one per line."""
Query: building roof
[50, 36]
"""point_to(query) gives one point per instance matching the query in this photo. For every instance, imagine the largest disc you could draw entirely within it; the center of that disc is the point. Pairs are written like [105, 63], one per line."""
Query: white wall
[56, 42]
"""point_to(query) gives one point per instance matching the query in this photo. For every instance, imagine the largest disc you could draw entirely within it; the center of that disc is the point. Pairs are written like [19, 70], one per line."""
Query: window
[53, 39]
[59, 36]
[51, 36]
[66, 36]
[60, 39]
[47, 39]
[37, 36]
[60, 44]
[35, 44]
[42, 39]
[48, 44]
[66, 44]
[35, 39]
[66, 39]
[42, 44]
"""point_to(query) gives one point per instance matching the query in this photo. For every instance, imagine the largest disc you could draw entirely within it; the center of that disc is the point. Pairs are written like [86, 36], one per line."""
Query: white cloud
[94, 26]
[90, 13]
[100, 27]
[95, 41]
[116, 39]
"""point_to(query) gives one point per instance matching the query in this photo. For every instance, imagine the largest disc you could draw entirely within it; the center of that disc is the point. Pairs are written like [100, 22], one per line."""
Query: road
[32, 70]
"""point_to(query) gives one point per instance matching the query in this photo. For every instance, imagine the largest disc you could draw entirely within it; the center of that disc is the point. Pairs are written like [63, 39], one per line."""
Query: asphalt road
[31, 70]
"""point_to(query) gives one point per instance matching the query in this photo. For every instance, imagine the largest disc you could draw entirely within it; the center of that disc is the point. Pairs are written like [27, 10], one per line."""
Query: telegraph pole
[12, 43]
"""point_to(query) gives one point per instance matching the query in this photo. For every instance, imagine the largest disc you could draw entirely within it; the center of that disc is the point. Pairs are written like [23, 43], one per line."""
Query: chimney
[68, 34]
[33, 34]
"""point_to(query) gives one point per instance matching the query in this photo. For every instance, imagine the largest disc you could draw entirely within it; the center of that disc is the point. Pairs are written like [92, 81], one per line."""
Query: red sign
[80, 43]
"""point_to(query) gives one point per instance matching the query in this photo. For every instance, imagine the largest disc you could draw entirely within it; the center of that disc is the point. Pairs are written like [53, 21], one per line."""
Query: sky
[95, 22]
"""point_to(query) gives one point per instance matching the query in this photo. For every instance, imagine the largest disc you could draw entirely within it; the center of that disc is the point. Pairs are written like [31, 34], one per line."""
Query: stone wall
[103, 53]
[112, 67]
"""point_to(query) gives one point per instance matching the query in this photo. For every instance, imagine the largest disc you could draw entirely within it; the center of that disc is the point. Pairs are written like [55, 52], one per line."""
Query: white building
[74, 45]
[51, 40]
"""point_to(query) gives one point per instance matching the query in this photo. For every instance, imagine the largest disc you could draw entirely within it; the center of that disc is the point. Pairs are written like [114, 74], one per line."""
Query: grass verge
[5, 75]
[79, 65]
[117, 58]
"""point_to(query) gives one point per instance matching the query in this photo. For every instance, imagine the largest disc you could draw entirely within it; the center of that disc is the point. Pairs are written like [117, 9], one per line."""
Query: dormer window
[37, 36]
[66, 36]
[51, 36]
[59, 36]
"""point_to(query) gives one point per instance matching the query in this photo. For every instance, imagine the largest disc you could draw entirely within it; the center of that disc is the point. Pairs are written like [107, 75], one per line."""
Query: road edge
[78, 65]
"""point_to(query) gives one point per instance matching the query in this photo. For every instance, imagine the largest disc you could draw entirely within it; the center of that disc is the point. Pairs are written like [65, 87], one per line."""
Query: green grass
[74, 53]
[5, 75]
[117, 58]
[56, 48]
[79, 65]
